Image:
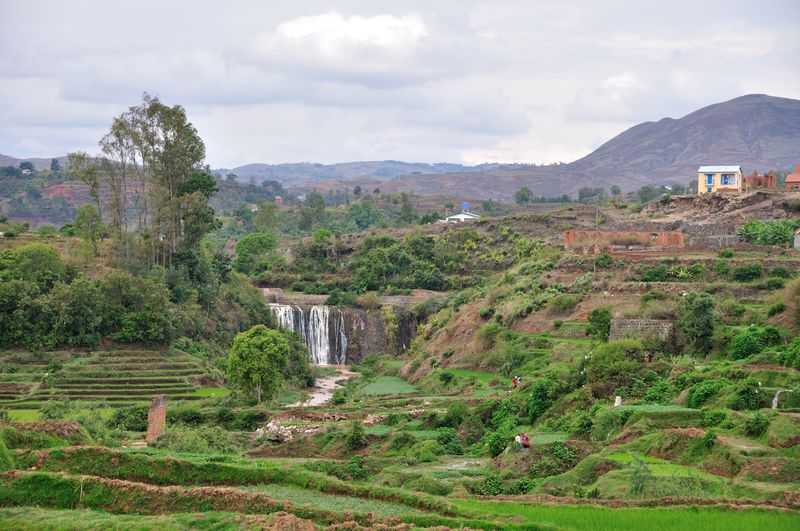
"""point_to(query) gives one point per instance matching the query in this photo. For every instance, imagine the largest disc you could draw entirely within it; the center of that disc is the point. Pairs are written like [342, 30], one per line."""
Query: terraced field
[120, 377]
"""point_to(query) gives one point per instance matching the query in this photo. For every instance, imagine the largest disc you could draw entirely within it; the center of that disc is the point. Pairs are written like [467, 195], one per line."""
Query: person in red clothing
[526, 441]
[514, 383]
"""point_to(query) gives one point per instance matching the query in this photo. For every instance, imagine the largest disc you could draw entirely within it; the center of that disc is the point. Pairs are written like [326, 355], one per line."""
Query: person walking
[518, 442]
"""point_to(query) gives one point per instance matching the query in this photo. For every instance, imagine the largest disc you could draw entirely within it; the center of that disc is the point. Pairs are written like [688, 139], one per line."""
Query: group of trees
[151, 167]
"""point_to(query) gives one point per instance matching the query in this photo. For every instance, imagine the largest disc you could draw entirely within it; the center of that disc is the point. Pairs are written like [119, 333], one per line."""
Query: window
[709, 178]
[728, 178]
[708, 189]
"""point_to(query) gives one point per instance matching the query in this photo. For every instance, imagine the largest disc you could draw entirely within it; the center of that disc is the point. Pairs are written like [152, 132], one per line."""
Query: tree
[357, 191]
[600, 323]
[614, 365]
[252, 248]
[55, 166]
[83, 168]
[407, 214]
[26, 166]
[89, 225]
[257, 361]
[266, 218]
[698, 320]
[376, 191]
[523, 195]
[615, 190]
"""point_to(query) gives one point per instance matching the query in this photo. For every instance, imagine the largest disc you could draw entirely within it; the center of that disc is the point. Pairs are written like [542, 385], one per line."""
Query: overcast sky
[459, 81]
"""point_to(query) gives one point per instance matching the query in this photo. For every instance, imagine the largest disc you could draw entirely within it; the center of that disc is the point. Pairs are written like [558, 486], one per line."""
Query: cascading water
[322, 329]
[778, 396]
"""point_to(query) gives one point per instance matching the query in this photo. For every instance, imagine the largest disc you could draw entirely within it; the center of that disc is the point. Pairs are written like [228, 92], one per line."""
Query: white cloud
[335, 35]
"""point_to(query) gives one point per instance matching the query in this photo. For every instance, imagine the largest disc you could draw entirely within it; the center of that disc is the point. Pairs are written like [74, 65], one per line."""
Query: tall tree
[84, 168]
[89, 225]
[257, 361]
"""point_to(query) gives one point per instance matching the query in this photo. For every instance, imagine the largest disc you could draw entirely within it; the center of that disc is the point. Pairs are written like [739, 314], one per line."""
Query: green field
[388, 385]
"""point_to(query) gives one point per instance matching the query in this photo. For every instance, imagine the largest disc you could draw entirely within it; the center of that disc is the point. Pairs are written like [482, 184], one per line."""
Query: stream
[325, 386]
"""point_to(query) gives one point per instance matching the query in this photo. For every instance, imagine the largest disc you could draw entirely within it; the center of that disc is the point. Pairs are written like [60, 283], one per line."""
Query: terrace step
[120, 392]
[102, 398]
[120, 381]
[123, 387]
[133, 374]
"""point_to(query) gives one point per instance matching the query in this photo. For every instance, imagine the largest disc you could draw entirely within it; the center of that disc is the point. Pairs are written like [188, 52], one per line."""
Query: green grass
[483, 377]
[38, 518]
[24, 415]
[331, 502]
[639, 518]
[388, 385]
[211, 391]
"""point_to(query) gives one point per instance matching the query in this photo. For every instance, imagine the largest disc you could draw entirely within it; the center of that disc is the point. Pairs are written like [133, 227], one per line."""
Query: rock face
[338, 335]
[156, 418]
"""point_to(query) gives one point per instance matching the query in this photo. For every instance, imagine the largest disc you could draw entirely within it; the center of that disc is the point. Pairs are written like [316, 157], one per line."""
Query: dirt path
[325, 386]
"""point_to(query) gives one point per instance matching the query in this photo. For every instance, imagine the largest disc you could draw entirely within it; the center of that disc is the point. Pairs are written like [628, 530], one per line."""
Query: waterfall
[777, 397]
[322, 329]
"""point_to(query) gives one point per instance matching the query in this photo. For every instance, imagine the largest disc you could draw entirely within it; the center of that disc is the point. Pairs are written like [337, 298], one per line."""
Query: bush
[56, 409]
[776, 308]
[756, 424]
[486, 312]
[772, 283]
[130, 418]
[726, 252]
[402, 439]
[748, 272]
[657, 273]
[448, 439]
[746, 343]
[190, 416]
[206, 439]
[659, 393]
[654, 295]
[781, 271]
[563, 303]
[356, 437]
[722, 268]
[604, 261]
[701, 392]
[712, 417]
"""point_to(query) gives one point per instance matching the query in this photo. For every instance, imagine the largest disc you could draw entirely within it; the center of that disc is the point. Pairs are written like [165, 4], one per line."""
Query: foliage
[600, 322]
[698, 320]
[253, 248]
[257, 361]
[543, 393]
[356, 437]
[129, 418]
[613, 365]
[748, 272]
[770, 232]
[449, 441]
[756, 424]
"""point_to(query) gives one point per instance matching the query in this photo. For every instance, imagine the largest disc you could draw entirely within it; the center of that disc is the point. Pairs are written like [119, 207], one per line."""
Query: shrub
[781, 271]
[725, 252]
[604, 261]
[543, 393]
[746, 343]
[613, 365]
[772, 283]
[424, 451]
[748, 272]
[455, 414]
[712, 417]
[657, 273]
[756, 424]
[448, 439]
[563, 303]
[446, 378]
[654, 295]
[558, 323]
[659, 393]
[486, 312]
[776, 308]
[56, 409]
[190, 416]
[701, 392]
[722, 268]
[402, 439]
[130, 418]
[356, 437]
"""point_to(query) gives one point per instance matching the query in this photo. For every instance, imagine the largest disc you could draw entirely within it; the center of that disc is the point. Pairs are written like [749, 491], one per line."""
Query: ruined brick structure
[751, 182]
[156, 418]
[623, 239]
[640, 328]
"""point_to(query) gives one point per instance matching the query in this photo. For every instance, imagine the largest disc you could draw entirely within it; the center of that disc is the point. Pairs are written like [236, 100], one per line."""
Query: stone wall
[602, 239]
[640, 328]
[156, 418]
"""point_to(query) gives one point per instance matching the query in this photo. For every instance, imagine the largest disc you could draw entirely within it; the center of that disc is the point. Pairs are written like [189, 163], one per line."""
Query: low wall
[640, 328]
[608, 239]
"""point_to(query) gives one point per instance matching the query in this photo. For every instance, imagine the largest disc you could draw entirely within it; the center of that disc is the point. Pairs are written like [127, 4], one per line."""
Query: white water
[322, 329]
[777, 397]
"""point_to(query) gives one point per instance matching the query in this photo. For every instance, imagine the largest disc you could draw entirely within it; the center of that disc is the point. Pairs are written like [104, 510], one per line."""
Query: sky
[334, 81]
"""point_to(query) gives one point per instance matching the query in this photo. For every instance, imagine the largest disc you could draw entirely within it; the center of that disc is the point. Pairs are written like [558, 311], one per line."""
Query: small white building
[461, 217]
[797, 239]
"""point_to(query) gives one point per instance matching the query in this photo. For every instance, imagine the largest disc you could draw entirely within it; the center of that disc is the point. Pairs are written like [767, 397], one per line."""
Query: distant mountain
[758, 132]
[306, 173]
[38, 163]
